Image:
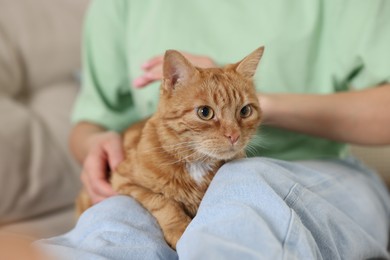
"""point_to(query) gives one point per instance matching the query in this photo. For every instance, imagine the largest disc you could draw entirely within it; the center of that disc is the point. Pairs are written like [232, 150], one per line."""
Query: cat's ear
[247, 67]
[176, 69]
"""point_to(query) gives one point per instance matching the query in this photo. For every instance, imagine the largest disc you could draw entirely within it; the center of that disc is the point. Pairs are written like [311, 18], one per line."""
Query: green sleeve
[373, 51]
[105, 96]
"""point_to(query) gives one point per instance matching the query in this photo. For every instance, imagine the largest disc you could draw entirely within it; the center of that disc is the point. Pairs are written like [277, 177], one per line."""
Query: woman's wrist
[82, 138]
[268, 108]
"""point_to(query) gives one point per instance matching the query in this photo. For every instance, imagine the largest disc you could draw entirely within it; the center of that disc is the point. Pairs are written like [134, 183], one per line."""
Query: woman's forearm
[80, 137]
[360, 117]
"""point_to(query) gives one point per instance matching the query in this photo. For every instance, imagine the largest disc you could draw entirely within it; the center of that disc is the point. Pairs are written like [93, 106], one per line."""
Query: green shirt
[311, 46]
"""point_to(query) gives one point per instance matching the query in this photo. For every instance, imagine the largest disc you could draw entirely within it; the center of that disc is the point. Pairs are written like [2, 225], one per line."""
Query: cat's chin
[228, 157]
[222, 155]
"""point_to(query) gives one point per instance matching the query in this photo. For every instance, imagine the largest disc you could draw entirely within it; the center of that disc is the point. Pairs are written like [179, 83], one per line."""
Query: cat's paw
[83, 202]
[172, 237]
[173, 233]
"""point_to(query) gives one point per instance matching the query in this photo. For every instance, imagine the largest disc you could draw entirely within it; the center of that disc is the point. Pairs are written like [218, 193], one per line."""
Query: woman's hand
[153, 68]
[104, 154]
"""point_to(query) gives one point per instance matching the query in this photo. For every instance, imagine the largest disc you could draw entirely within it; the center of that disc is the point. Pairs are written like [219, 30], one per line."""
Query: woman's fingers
[150, 76]
[153, 68]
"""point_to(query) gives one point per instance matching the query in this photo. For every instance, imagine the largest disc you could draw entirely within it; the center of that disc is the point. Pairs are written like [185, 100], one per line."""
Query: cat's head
[210, 113]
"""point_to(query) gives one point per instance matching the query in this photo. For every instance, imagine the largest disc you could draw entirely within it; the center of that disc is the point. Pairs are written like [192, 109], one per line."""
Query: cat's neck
[174, 152]
[199, 170]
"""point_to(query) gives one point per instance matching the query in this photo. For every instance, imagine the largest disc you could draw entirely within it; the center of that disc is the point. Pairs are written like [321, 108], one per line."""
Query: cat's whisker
[188, 151]
[260, 141]
[176, 144]
[203, 158]
[252, 146]
[181, 159]
[181, 149]
[251, 150]
[173, 147]
[210, 154]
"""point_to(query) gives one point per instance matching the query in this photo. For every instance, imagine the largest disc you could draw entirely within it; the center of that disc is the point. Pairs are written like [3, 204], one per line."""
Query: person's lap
[254, 209]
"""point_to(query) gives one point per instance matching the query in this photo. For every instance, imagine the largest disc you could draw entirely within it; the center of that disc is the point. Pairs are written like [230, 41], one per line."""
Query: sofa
[39, 64]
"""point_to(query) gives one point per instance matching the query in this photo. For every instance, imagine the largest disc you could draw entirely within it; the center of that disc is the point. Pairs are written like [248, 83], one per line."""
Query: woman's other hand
[153, 68]
[99, 152]
[104, 155]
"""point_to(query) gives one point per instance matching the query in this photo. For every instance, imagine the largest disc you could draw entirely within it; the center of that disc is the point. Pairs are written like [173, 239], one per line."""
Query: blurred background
[39, 68]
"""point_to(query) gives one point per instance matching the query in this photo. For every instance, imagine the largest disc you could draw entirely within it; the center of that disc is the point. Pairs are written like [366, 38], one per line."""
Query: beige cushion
[39, 55]
[36, 171]
[39, 43]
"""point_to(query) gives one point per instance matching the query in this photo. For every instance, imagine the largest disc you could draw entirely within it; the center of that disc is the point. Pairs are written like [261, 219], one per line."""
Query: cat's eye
[246, 111]
[205, 112]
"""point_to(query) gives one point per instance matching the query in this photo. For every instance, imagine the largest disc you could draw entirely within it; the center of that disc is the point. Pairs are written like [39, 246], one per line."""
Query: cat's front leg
[169, 214]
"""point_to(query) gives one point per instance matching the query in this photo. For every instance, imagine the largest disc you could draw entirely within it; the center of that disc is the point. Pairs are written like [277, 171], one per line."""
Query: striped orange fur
[172, 157]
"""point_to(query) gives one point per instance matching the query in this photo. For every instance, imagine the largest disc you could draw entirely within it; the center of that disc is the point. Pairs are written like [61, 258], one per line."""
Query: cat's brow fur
[162, 150]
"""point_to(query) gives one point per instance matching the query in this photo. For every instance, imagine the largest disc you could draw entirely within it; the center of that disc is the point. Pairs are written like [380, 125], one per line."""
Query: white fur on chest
[198, 171]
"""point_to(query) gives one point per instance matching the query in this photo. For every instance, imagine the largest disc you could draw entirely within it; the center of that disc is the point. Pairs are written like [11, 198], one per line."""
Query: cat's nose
[233, 137]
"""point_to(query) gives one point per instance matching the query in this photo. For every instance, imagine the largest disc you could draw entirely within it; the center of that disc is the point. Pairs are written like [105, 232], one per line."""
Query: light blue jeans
[254, 209]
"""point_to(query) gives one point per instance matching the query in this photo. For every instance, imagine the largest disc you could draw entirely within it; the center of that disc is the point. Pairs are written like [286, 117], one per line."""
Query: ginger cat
[205, 118]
